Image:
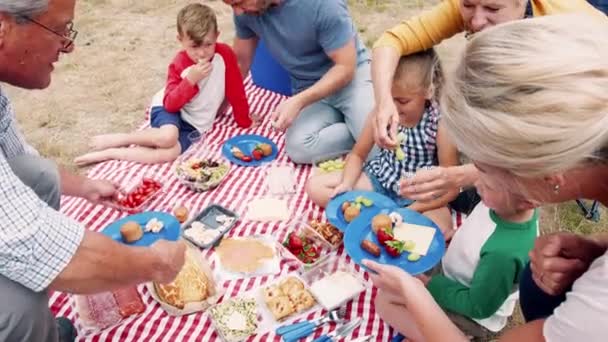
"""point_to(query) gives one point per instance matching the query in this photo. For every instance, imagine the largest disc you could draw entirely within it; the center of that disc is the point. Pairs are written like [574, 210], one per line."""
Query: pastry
[381, 221]
[291, 284]
[131, 232]
[271, 292]
[266, 149]
[351, 213]
[191, 285]
[302, 300]
[181, 213]
[280, 307]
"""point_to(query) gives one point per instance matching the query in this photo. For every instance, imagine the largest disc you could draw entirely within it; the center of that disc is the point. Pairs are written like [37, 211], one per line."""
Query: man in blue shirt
[317, 43]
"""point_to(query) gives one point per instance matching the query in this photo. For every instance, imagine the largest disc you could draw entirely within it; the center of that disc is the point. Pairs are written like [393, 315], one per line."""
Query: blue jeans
[333, 123]
[535, 303]
[601, 5]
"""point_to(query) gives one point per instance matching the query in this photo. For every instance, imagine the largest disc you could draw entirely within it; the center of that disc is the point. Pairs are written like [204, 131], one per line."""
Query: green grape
[413, 257]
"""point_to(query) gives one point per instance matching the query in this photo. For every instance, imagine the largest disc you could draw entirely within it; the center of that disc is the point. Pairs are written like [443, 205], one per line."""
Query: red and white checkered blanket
[240, 186]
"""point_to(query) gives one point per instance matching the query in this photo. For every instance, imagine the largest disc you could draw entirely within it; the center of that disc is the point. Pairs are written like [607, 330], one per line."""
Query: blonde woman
[445, 20]
[529, 105]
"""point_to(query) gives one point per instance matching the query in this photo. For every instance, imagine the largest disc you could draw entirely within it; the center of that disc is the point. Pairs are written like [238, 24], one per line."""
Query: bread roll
[381, 221]
[131, 232]
[181, 213]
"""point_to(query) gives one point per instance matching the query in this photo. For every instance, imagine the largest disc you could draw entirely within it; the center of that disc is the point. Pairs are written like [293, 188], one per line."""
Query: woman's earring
[556, 189]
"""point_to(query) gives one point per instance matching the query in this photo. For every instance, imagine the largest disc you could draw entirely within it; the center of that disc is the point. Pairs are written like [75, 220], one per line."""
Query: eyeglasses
[69, 35]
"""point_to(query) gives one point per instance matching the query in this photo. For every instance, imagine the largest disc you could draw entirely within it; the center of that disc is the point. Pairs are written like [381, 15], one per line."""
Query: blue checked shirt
[36, 242]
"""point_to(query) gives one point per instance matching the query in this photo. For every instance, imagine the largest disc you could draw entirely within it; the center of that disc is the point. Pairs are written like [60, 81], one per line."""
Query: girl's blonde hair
[423, 69]
[531, 96]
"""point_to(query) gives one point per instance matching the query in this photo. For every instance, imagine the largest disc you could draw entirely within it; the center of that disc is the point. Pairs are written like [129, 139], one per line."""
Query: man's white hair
[23, 8]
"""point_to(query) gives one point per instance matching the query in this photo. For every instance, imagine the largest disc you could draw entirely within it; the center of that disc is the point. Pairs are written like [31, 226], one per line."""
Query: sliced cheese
[268, 209]
[421, 236]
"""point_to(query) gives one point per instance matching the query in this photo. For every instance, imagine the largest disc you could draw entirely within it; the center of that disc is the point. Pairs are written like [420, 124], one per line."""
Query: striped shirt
[36, 242]
[419, 146]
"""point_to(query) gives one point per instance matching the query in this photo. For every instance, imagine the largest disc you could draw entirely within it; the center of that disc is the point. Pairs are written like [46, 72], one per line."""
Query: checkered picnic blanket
[240, 186]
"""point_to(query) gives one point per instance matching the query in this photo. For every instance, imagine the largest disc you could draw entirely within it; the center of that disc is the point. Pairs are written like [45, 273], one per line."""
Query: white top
[584, 314]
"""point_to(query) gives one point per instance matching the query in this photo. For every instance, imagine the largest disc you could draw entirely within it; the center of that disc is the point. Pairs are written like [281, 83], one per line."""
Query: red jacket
[179, 91]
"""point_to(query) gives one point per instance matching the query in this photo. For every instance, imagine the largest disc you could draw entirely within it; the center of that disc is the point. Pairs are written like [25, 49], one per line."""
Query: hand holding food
[170, 257]
[199, 71]
[131, 232]
[142, 193]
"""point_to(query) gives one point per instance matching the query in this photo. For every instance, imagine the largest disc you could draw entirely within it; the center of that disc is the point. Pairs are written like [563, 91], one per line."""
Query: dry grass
[123, 50]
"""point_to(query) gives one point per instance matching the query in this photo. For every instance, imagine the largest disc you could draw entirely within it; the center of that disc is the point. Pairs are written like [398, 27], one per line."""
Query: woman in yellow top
[445, 20]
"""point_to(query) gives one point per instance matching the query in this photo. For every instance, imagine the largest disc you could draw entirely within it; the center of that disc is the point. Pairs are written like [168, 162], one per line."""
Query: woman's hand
[557, 260]
[428, 185]
[386, 120]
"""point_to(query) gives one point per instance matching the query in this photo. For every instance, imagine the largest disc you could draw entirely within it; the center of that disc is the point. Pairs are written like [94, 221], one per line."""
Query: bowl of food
[202, 174]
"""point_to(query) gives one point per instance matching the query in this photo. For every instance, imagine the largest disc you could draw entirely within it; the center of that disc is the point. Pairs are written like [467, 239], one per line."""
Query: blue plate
[247, 144]
[334, 214]
[361, 229]
[171, 230]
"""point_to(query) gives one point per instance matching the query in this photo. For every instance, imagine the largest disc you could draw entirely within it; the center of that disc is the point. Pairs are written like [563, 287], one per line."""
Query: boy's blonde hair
[531, 96]
[196, 21]
[421, 69]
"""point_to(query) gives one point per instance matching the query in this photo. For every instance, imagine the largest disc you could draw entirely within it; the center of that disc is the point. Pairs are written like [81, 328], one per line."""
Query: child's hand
[393, 280]
[199, 71]
[340, 189]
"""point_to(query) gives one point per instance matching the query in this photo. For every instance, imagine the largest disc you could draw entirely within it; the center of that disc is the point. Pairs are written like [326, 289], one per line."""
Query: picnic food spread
[397, 237]
[330, 233]
[260, 151]
[235, 319]
[244, 255]
[131, 232]
[287, 298]
[190, 286]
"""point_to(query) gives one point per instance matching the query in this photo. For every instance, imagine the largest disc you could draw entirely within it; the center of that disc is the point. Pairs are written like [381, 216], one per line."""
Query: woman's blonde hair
[421, 69]
[531, 96]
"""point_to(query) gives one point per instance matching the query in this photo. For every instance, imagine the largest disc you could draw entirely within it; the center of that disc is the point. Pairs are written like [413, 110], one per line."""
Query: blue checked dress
[420, 148]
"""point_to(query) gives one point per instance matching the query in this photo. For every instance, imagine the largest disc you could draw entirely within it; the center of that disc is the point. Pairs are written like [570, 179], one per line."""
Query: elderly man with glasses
[40, 249]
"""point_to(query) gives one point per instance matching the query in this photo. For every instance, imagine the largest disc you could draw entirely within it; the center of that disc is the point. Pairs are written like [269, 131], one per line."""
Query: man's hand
[285, 113]
[96, 191]
[171, 256]
[199, 71]
[557, 260]
[385, 124]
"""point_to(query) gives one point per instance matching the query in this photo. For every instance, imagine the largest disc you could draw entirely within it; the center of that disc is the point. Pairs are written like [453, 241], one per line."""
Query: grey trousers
[24, 314]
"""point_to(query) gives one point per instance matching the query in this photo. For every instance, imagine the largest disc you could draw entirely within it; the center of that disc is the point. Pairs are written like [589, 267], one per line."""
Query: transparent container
[245, 306]
[334, 283]
[305, 258]
[279, 179]
[209, 217]
[132, 197]
[202, 173]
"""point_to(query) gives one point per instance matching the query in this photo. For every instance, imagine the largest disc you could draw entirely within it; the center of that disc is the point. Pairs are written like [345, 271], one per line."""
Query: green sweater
[482, 266]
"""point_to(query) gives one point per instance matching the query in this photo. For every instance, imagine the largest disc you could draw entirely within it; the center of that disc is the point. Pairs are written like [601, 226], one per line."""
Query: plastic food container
[279, 179]
[334, 283]
[318, 163]
[268, 266]
[214, 218]
[130, 184]
[304, 256]
[211, 172]
[243, 307]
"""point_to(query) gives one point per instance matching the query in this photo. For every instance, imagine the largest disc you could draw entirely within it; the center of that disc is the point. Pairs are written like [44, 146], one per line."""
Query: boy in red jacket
[201, 78]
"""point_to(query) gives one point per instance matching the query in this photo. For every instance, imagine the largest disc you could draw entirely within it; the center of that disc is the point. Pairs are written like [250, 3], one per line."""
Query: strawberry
[257, 154]
[394, 248]
[246, 159]
[385, 235]
[295, 243]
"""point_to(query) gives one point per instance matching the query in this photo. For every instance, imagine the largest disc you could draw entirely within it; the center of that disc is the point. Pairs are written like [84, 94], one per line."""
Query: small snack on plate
[288, 297]
[265, 148]
[154, 226]
[371, 248]
[335, 289]
[381, 221]
[330, 233]
[351, 210]
[201, 234]
[131, 231]
[238, 154]
[244, 255]
[351, 213]
[302, 247]
[190, 286]
[129, 301]
[181, 213]
[418, 237]
[235, 319]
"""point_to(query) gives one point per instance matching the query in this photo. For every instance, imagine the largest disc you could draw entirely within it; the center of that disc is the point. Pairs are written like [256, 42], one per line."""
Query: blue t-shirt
[300, 33]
